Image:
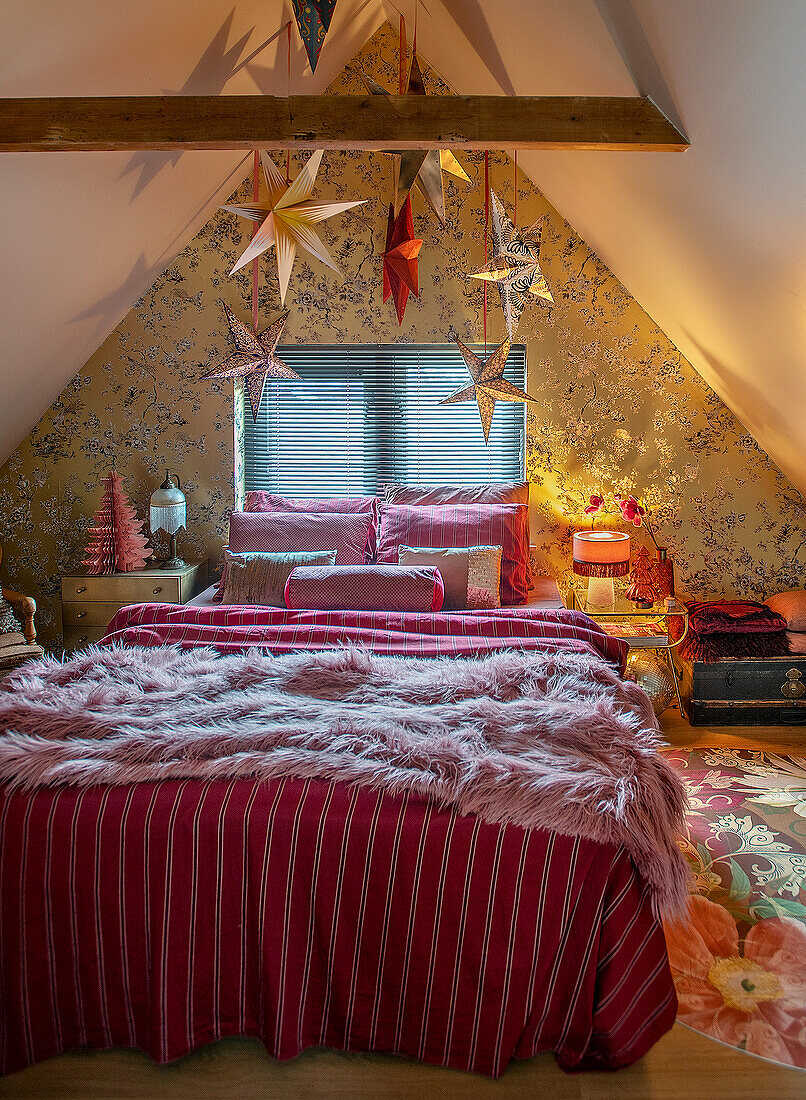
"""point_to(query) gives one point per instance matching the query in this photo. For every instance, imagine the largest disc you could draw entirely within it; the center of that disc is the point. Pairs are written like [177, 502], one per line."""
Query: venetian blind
[365, 416]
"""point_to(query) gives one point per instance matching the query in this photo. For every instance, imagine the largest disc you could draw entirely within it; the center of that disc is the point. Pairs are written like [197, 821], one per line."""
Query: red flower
[632, 511]
[596, 503]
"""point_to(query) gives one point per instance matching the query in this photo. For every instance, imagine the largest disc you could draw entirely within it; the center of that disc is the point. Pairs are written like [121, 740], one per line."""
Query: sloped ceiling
[710, 242]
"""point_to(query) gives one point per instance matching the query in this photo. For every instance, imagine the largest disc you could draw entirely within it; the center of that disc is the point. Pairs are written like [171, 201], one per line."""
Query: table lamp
[168, 513]
[600, 556]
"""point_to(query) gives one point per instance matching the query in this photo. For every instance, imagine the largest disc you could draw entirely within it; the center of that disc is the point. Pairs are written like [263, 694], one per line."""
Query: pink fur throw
[540, 740]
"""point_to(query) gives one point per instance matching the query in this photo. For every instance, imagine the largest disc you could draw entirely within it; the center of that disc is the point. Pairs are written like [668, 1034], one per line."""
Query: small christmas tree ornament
[642, 591]
[117, 543]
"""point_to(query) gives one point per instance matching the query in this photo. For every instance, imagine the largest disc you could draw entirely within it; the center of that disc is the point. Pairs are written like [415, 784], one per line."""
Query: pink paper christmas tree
[117, 543]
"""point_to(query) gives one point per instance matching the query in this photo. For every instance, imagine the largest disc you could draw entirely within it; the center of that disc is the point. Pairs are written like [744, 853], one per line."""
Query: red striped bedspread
[229, 628]
[305, 913]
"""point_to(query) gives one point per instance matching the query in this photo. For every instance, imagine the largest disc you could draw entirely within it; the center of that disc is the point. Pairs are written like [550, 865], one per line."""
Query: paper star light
[313, 19]
[422, 168]
[254, 360]
[400, 258]
[286, 217]
[489, 384]
[515, 265]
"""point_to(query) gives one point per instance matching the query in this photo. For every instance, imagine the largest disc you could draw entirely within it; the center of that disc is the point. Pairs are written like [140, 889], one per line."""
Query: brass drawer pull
[82, 639]
[793, 687]
[157, 589]
[83, 588]
[80, 614]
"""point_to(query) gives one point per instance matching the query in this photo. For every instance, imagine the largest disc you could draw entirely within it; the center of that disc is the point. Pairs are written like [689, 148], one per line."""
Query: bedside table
[639, 627]
[90, 601]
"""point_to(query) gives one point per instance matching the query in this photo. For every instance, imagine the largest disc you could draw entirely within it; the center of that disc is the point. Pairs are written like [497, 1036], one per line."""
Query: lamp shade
[601, 553]
[168, 510]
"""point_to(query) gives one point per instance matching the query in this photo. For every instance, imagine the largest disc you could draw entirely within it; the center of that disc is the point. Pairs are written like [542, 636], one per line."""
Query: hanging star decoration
[515, 265]
[286, 217]
[400, 259]
[313, 19]
[422, 168]
[254, 360]
[489, 384]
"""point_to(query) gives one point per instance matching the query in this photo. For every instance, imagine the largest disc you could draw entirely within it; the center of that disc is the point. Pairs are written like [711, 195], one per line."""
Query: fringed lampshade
[168, 513]
[600, 556]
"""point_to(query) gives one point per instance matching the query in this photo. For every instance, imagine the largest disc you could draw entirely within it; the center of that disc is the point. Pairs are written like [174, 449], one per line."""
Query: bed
[458, 849]
[164, 915]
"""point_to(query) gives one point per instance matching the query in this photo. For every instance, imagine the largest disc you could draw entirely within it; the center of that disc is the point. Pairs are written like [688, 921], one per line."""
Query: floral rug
[739, 959]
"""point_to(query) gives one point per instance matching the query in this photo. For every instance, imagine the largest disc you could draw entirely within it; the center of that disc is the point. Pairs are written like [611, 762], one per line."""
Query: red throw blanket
[394, 633]
[733, 628]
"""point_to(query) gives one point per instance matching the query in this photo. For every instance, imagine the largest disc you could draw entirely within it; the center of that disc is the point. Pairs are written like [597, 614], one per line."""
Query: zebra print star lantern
[515, 265]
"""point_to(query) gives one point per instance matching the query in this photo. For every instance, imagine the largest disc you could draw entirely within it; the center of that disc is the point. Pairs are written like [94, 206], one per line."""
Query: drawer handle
[154, 591]
[83, 588]
[83, 638]
[80, 614]
[793, 686]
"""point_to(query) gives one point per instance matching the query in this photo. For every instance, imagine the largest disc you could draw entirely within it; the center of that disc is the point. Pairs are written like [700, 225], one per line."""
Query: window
[368, 415]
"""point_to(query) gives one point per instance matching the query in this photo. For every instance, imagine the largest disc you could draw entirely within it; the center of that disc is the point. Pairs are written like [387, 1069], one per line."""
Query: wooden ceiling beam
[335, 122]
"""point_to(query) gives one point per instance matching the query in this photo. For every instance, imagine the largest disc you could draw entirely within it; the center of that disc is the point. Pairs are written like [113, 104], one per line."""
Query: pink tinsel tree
[117, 543]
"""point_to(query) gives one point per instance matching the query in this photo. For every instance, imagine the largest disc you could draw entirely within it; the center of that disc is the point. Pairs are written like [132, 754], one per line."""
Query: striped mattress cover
[305, 912]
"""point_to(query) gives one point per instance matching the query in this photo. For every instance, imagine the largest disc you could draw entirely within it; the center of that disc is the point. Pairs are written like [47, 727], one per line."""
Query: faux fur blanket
[553, 741]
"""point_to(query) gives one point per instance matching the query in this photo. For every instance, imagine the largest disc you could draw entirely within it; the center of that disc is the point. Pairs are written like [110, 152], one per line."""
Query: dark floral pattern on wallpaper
[618, 407]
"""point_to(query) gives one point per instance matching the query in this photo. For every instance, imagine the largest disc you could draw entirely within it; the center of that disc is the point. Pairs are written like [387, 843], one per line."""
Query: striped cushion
[504, 525]
[261, 501]
[275, 532]
[260, 578]
[365, 588]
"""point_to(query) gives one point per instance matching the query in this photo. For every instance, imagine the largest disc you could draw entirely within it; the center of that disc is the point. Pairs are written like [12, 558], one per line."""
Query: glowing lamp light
[600, 556]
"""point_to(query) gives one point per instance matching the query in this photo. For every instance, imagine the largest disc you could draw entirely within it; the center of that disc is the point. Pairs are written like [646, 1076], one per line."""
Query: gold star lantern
[489, 384]
[254, 360]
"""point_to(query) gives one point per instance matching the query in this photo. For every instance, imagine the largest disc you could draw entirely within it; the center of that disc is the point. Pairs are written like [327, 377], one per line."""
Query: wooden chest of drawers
[89, 602]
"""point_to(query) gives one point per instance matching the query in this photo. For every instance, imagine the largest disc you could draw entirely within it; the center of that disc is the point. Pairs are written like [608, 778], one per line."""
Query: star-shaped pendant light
[515, 265]
[254, 360]
[313, 20]
[422, 168]
[400, 258]
[286, 217]
[489, 384]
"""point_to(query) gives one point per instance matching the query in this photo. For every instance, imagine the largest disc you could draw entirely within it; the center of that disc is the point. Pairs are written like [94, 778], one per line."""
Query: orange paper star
[489, 384]
[400, 258]
[286, 217]
[254, 360]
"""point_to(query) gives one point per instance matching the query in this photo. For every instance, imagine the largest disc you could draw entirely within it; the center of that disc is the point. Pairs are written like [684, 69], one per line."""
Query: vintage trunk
[744, 691]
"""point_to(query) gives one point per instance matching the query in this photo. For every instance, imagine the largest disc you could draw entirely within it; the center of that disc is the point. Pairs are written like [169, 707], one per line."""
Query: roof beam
[336, 122]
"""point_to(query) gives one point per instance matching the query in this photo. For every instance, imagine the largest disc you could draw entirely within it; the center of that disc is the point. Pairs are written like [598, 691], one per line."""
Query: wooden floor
[682, 1066]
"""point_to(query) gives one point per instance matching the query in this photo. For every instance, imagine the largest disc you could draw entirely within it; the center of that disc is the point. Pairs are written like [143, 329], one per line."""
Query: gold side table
[640, 628]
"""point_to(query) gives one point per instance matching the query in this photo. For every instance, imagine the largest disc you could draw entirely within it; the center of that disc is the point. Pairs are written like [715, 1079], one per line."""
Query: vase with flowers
[662, 568]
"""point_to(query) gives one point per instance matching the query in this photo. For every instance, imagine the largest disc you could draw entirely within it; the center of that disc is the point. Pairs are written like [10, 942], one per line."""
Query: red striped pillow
[365, 588]
[497, 492]
[504, 525]
[259, 500]
[272, 532]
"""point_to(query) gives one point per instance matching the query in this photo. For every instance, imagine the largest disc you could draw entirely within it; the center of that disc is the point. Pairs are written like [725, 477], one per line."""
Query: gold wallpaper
[618, 406]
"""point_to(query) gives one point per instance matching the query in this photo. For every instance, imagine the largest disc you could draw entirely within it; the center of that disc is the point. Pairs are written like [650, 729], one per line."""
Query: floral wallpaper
[618, 407]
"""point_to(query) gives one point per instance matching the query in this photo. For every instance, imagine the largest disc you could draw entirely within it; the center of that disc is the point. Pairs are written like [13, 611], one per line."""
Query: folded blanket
[539, 740]
[720, 629]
